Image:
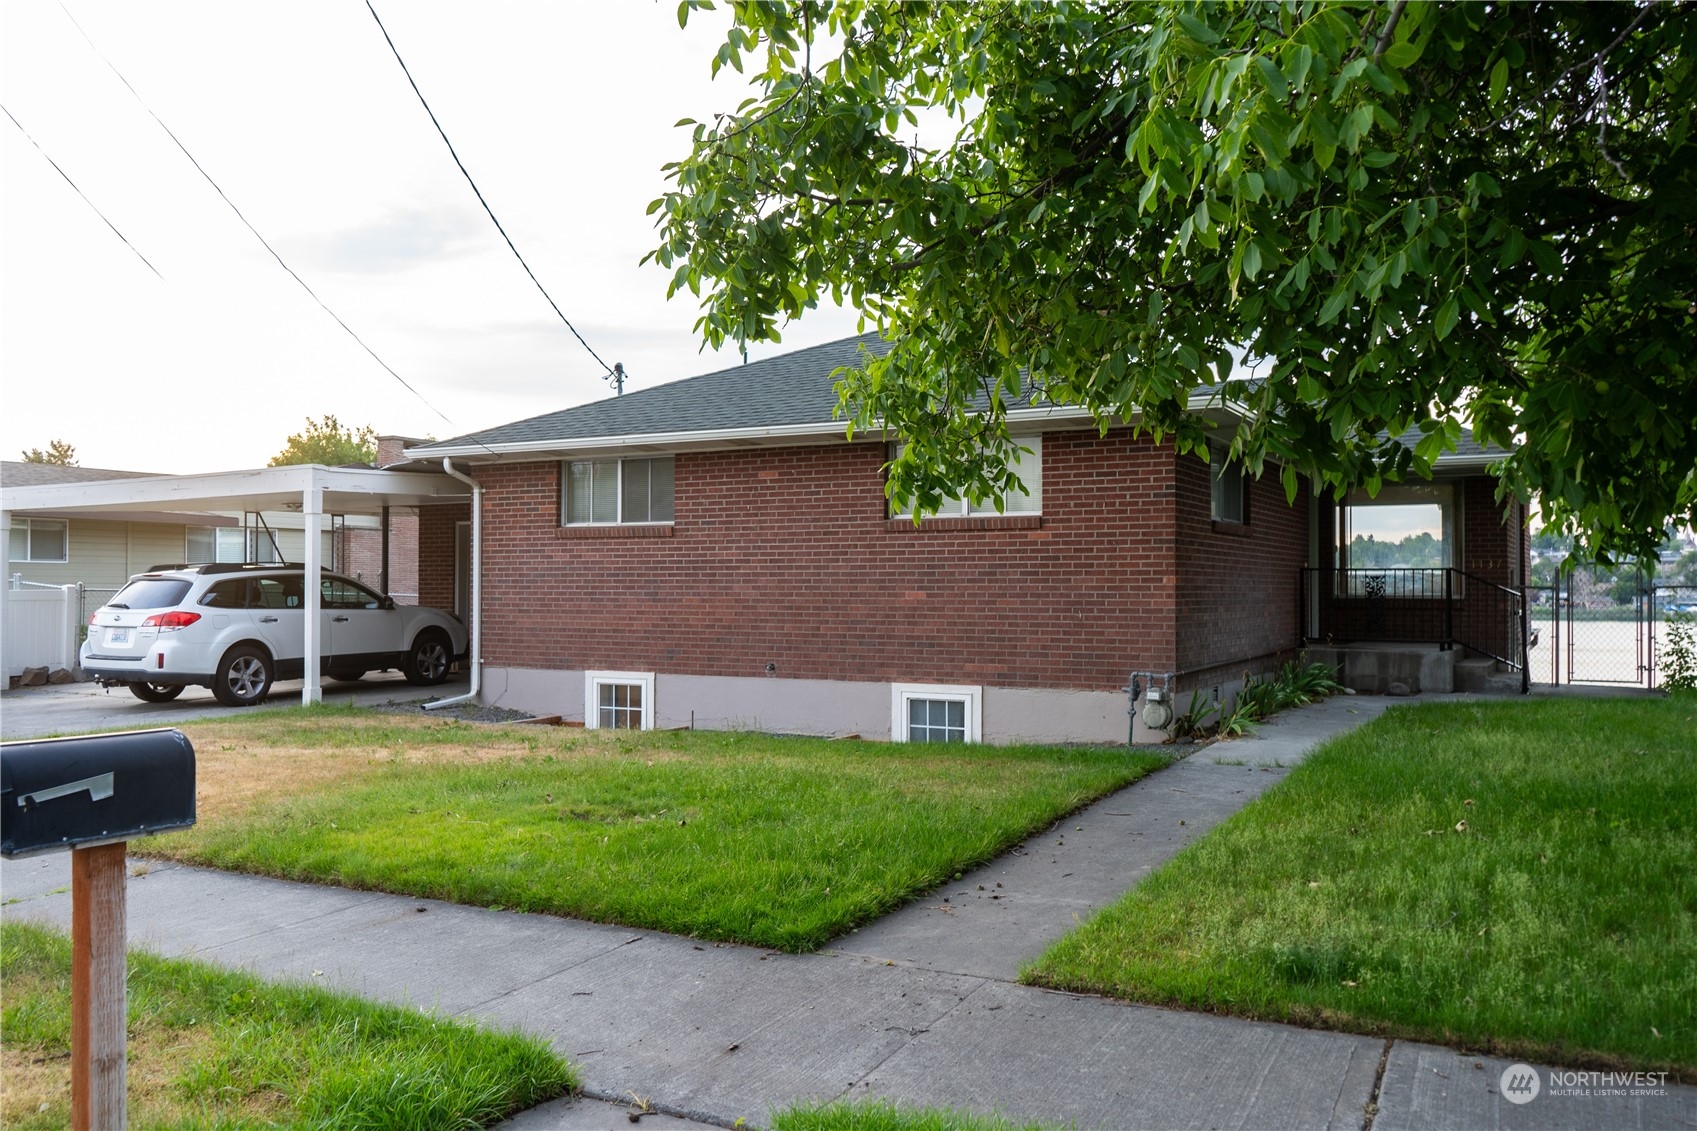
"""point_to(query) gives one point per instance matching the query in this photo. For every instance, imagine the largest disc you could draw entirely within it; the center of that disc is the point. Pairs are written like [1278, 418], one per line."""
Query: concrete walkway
[920, 1007]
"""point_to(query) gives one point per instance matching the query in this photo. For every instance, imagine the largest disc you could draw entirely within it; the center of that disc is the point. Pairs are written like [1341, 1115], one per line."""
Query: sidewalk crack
[913, 1035]
[1371, 1111]
[554, 973]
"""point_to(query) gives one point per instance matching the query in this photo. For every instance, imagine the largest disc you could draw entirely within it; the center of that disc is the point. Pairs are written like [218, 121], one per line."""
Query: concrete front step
[1482, 675]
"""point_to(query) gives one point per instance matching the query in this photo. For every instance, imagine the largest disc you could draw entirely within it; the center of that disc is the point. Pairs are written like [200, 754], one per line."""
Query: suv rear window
[152, 593]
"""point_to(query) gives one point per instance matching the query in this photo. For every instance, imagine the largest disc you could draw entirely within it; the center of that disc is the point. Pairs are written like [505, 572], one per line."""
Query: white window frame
[1030, 503]
[1225, 476]
[618, 489]
[1396, 494]
[901, 694]
[592, 683]
[27, 526]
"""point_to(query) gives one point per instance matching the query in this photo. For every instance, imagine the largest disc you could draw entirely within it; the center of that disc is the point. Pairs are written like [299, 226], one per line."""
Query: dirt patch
[235, 770]
[464, 712]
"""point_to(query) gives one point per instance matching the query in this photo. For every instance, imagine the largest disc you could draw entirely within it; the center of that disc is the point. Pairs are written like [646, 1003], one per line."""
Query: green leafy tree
[1416, 214]
[59, 452]
[328, 442]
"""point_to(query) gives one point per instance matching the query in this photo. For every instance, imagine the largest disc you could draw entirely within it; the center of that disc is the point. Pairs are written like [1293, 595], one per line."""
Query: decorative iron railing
[1437, 605]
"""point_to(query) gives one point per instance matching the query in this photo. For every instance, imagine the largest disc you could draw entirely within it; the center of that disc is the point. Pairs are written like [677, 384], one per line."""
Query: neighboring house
[102, 552]
[95, 528]
[714, 553]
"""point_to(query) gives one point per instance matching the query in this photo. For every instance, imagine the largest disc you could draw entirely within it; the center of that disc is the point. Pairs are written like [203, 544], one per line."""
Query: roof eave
[708, 439]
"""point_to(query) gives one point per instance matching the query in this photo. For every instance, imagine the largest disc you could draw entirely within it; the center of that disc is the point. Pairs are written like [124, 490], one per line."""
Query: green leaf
[1402, 55]
[1448, 314]
[1251, 260]
[1499, 81]
[1198, 30]
[1273, 78]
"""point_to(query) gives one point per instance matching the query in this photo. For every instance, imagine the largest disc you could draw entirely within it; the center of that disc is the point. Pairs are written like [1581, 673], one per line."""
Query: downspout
[476, 590]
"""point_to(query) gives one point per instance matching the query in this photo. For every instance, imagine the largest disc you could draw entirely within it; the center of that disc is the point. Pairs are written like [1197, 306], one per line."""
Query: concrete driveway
[72, 708]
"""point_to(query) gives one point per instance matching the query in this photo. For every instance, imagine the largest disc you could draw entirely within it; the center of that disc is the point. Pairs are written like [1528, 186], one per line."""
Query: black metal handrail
[1416, 605]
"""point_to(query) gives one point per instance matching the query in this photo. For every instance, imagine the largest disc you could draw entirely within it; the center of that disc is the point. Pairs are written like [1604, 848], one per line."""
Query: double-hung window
[614, 491]
[1226, 477]
[38, 540]
[1027, 465]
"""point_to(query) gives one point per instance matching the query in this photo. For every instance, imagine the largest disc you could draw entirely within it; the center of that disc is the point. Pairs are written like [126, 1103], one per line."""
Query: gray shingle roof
[1466, 448]
[18, 473]
[793, 388]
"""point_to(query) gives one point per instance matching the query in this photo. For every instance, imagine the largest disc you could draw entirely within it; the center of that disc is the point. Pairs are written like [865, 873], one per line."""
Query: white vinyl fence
[43, 627]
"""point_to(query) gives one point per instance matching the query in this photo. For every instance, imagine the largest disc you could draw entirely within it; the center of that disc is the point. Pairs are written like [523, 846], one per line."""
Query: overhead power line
[80, 193]
[249, 226]
[615, 373]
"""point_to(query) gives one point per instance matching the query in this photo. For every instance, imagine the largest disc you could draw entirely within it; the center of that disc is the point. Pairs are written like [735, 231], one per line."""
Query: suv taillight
[168, 622]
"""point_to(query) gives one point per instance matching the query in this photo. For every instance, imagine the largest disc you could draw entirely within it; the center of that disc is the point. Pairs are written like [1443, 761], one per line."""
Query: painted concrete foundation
[822, 707]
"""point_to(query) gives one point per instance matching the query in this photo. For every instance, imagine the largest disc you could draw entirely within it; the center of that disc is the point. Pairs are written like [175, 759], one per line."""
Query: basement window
[922, 712]
[607, 492]
[618, 700]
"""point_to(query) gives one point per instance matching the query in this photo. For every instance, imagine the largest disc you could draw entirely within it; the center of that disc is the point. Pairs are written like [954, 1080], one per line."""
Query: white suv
[237, 628]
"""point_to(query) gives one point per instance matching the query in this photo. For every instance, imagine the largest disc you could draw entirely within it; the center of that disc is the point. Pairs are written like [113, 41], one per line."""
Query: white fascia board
[266, 488]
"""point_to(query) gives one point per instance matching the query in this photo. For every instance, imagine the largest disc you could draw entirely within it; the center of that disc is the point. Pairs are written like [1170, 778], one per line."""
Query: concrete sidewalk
[920, 1007]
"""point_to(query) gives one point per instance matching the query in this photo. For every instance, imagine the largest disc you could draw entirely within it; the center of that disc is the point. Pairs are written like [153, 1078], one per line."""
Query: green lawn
[212, 1048]
[779, 842]
[1514, 876]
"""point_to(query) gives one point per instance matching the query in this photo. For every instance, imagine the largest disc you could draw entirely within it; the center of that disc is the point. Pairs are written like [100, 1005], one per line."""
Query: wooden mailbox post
[91, 796]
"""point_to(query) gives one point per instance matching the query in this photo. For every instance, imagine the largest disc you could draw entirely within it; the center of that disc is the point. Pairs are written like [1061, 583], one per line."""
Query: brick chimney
[389, 449]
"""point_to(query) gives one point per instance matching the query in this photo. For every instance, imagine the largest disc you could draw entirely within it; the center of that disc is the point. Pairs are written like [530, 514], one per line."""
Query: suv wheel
[243, 678]
[429, 660]
[155, 692]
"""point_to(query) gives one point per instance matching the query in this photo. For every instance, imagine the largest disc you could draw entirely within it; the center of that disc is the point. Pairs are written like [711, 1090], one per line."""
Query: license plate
[117, 636]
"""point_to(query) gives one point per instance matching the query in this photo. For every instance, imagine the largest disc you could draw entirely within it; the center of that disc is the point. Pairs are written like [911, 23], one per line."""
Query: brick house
[713, 553]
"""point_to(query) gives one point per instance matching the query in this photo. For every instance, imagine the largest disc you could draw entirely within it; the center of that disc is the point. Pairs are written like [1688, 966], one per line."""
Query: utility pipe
[476, 589]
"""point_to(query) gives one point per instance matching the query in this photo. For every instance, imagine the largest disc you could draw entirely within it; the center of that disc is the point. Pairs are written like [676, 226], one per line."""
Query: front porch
[1404, 631]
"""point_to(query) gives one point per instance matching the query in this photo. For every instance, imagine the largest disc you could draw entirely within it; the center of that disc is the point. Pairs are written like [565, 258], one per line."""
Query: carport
[311, 490]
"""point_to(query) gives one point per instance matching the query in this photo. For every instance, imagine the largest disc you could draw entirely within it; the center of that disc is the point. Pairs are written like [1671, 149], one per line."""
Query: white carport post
[312, 511]
[5, 592]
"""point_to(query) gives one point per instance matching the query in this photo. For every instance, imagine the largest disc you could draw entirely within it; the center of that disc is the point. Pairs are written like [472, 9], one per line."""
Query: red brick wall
[785, 556]
[361, 555]
[1237, 585]
[1493, 540]
[436, 553]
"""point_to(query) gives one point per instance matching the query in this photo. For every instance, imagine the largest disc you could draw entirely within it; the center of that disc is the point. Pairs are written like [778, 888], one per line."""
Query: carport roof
[345, 491]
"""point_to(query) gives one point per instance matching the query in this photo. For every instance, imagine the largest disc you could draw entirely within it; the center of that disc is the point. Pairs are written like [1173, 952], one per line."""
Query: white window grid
[626, 696]
[904, 697]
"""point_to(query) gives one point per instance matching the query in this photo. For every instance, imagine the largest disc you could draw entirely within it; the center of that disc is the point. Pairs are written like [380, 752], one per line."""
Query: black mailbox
[72, 792]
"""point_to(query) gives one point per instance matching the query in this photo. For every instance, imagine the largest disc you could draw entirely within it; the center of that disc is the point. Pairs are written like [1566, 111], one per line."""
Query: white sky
[563, 112]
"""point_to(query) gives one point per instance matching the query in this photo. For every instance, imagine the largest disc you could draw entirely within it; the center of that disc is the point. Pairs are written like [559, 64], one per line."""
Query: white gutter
[476, 658]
